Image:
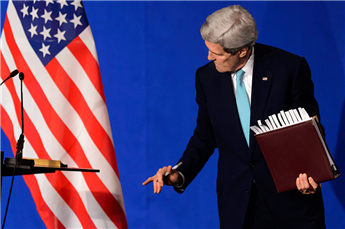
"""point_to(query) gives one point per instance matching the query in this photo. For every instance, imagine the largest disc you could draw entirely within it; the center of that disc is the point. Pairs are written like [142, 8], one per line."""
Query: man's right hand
[159, 180]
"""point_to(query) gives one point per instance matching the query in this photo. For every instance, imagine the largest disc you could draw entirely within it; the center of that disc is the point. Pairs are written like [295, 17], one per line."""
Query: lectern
[28, 166]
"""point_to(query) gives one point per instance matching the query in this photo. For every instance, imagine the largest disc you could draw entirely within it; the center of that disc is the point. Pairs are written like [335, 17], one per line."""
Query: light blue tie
[242, 104]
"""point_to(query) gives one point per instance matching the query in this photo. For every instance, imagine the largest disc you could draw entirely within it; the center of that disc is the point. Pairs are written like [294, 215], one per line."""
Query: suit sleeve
[202, 144]
[303, 90]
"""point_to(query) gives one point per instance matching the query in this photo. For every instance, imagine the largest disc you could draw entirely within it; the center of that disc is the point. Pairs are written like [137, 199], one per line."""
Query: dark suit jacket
[288, 86]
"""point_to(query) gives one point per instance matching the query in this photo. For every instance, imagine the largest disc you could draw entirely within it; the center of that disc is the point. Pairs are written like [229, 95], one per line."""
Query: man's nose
[210, 56]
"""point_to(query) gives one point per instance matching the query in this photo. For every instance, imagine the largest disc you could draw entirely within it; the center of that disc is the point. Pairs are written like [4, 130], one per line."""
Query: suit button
[251, 165]
[247, 191]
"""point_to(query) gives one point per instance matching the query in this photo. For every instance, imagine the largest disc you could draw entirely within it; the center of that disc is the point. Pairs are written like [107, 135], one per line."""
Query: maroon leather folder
[295, 149]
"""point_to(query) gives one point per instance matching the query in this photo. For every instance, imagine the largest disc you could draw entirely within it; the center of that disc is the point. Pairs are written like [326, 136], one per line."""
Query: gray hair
[232, 27]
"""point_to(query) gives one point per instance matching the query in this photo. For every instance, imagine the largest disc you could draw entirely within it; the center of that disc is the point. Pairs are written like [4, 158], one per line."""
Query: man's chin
[220, 70]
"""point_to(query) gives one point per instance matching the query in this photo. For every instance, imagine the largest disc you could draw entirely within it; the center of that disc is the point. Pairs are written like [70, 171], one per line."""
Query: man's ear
[243, 51]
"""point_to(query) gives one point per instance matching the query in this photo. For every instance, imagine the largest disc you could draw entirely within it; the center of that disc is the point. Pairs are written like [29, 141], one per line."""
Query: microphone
[21, 76]
[13, 74]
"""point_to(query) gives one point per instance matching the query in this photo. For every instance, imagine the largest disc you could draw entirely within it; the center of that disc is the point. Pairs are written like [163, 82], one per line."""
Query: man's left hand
[306, 185]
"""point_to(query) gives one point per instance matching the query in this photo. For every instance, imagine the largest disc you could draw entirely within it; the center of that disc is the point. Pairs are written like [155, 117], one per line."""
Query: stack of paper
[283, 119]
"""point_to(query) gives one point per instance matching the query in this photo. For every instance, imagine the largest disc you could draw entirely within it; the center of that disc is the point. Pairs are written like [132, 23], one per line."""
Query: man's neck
[244, 59]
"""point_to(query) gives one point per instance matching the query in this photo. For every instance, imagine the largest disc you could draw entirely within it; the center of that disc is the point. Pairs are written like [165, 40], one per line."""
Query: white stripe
[87, 37]
[37, 71]
[6, 53]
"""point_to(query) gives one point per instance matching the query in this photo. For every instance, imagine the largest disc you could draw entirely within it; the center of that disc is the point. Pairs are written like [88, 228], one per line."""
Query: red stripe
[88, 62]
[5, 71]
[77, 101]
[31, 133]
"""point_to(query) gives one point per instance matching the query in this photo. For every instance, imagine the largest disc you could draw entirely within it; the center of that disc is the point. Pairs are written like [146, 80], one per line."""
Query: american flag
[65, 113]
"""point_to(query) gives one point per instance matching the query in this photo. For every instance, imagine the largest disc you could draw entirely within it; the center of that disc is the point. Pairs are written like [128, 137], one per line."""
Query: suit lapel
[227, 99]
[225, 104]
[230, 113]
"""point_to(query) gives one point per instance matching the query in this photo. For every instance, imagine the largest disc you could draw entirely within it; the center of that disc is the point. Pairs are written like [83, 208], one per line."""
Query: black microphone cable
[9, 195]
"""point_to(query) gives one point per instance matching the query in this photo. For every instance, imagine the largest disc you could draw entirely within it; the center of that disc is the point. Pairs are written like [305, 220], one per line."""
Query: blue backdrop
[148, 53]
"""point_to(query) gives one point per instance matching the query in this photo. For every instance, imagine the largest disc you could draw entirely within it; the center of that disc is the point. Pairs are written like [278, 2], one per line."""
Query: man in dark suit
[271, 80]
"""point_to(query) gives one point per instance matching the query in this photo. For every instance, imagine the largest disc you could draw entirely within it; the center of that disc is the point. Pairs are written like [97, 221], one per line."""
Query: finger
[306, 185]
[304, 181]
[149, 180]
[158, 182]
[157, 186]
[313, 183]
[168, 170]
[158, 179]
[298, 184]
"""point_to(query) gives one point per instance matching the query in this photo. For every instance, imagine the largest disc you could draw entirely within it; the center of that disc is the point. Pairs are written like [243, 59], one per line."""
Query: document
[295, 144]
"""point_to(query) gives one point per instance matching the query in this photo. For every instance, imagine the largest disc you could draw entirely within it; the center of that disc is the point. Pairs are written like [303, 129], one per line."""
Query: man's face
[224, 62]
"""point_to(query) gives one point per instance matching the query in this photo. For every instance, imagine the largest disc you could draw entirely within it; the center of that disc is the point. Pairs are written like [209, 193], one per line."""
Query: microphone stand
[18, 159]
[20, 142]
